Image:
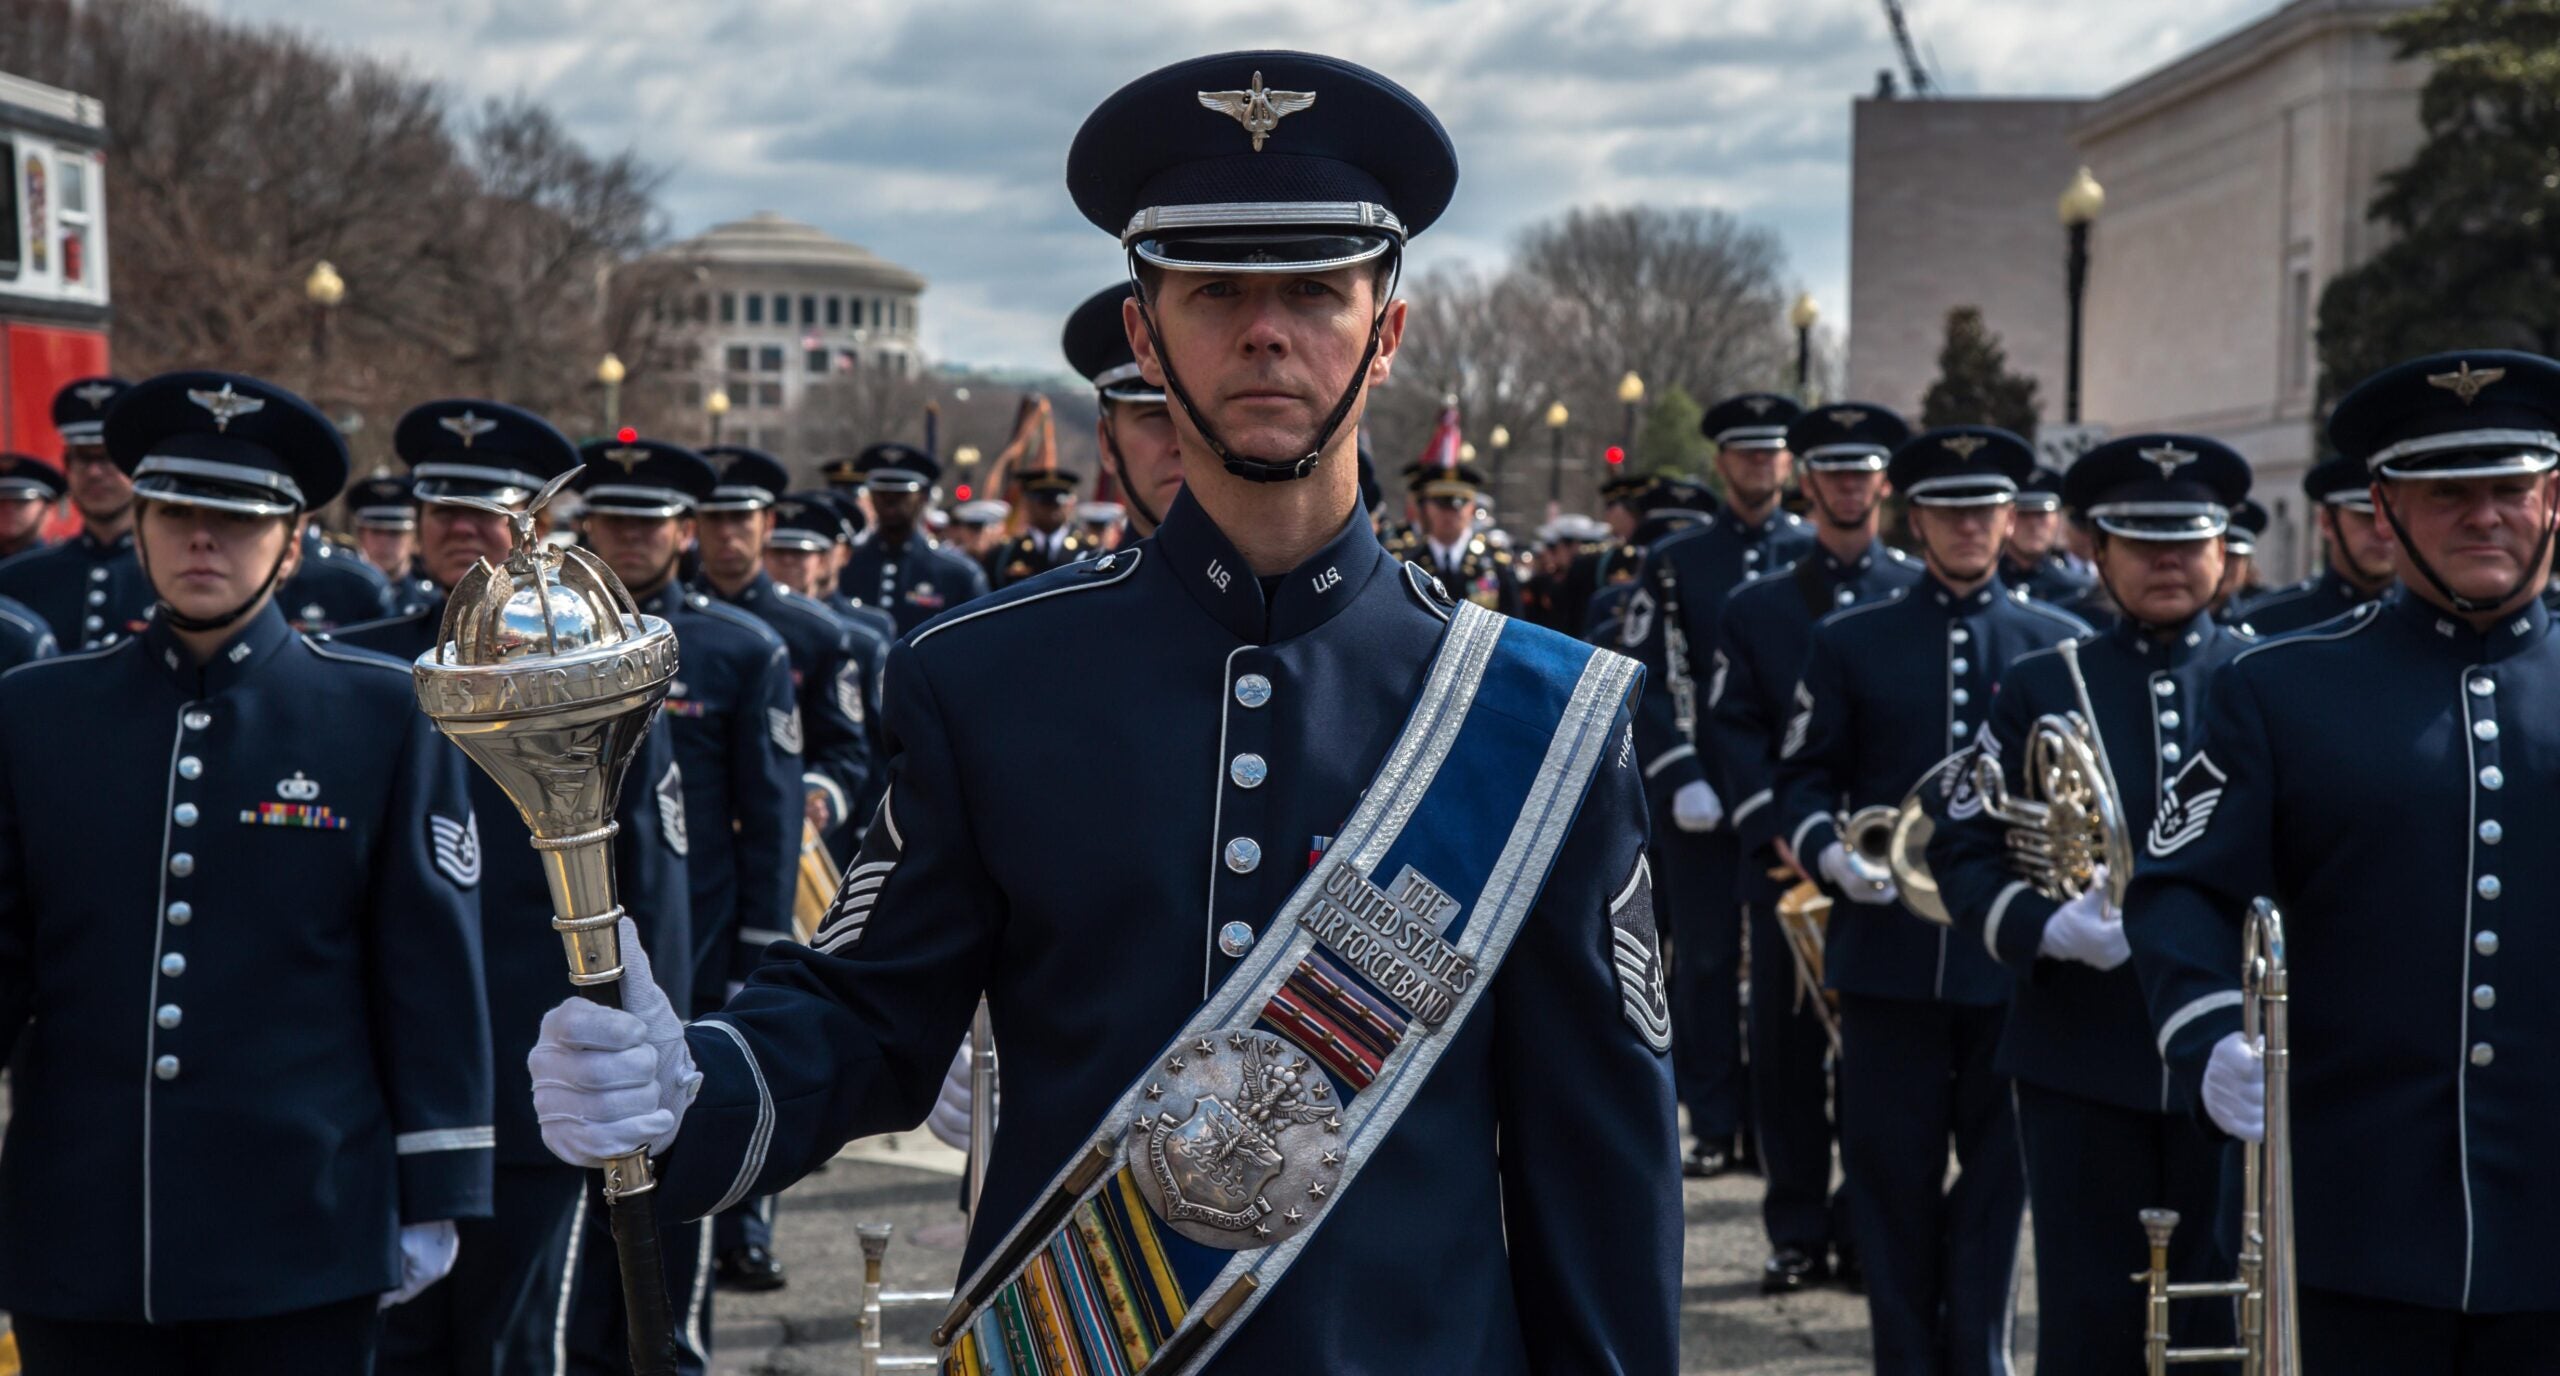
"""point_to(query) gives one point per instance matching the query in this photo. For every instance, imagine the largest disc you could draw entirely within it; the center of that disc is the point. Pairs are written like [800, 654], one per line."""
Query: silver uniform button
[2484, 997]
[97, 597]
[2485, 730]
[1955, 730]
[168, 1015]
[166, 1067]
[2491, 833]
[1234, 939]
[199, 720]
[173, 965]
[1253, 690]
[1961, 697]
[2481, 687]
[182, 864]
[2164, 687]
[184, 814]
[2169, 719]
[2482, 1053]
[2170, 752]
[1959, 635]
[2493, 778]
[1248, 771]
[91, 623]
[1844, 597]
[2489, 887]
[1243, 854]
[2486, 943]
[189, 767]
[1961, 667]
[181, 913]
[98, 574]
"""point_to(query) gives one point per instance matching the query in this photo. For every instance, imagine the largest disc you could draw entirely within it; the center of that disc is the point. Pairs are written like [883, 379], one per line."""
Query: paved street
[912, 1181]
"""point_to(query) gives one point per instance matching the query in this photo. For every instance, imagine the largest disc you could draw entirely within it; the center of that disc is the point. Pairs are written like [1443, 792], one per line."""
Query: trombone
[2270, 1315]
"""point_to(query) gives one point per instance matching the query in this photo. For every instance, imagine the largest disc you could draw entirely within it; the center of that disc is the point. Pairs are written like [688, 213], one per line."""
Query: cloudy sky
[934, 131]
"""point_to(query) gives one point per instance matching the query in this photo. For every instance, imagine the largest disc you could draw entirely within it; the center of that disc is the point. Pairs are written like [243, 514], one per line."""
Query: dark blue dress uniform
[388, 501]
[1096, 343]
[2425, 1054]
[89, 590]
[2053, 577]
[503, 1306]
[2107, 1132]
[816, 522]
[2338, 482]
[1759, 646]
[1669, 626]
[239, 972]
[2240, 541]
[914, 579]
[24, 638]
[334, 587]
[1921, 1008]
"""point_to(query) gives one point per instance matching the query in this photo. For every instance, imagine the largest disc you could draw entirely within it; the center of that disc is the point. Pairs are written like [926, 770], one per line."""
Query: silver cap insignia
[226, 405]
[95, 394]
[2464, 383]
[1259, 110]
[468, 426]
[1963, 446]
[2168, 459]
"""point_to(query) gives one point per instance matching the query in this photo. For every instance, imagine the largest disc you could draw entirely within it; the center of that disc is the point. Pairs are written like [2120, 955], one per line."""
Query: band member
[1760, 643]
[2107, 1133]
[1664, 507]
[287, 1054]
[1136, 985]
[505, 1305]
[2034, 560]
[29, 487]
[2357, 551]
[810, 529]
[386, 521]
[2410, 873]
[1670, 627]
[1451, 546]
[1889, 690]
[897, 567]
[87, 588]
[1102, 524]
[1049, 537]
[333, 587]
[1133, 428]
[2240, 584]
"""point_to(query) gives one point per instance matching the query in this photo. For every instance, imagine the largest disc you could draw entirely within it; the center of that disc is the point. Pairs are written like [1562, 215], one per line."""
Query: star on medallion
[1295, 1215]
[1317, 1189]
[1262, 1230]
[1318, 1090]
[1155, 1091]
[1963, 446]
[1203, 1047]
[1334, 1123]
[1257, 108]
[1174, 1065]
[2464, 383]
[1330, 1158]
[1236, 1040]
[2168, 459]
[226, 405]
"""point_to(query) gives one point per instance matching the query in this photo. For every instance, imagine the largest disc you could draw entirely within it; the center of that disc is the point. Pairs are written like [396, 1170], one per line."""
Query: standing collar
[253, 644]
[1834, 564]
[1936, 593]
[670, 598]
[2348, 594]
[2520, 631]
[2191, 638]
[96, 548]
[757, 589]
[1207, 565]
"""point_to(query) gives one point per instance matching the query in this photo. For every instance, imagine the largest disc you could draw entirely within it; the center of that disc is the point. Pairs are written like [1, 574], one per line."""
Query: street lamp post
[716, 406]
[1556, 417]
[2079, 207]
[610, 372]
[324, 289]
[1802, 315]
[1631, 396]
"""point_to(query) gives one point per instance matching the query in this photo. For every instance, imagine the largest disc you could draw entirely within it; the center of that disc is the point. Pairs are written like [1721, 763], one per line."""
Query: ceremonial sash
[1209, 1175]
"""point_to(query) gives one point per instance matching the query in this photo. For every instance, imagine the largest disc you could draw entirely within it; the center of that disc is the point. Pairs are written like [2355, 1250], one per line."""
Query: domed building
[776, 309]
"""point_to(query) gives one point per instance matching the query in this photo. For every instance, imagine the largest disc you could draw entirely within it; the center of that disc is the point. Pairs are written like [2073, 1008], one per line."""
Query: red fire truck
[54, 304]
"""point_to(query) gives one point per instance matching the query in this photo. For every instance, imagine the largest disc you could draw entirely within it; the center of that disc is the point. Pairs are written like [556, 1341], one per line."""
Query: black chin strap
[1245, 466]
[168, 612]
[2358, 574]
[2460, 603]
[1120, 465]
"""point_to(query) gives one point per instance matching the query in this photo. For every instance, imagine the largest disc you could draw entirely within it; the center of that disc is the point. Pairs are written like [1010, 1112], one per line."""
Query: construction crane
[1913, 69]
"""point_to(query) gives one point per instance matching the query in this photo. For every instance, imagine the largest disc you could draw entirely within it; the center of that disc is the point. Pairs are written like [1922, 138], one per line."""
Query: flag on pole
[1441, 453]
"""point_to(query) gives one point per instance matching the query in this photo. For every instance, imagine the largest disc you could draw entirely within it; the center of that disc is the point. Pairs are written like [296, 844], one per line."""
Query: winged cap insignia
[1963, 446]
[2168, 459]
[1758, 406]
[226, 405]
[2464, 383]
[470, 427]
[1847, 419]
[95, 394]
[629, 458]
[1258, 109]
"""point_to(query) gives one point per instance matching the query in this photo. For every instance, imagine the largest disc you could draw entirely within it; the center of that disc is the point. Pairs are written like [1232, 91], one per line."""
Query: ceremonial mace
[548, 677]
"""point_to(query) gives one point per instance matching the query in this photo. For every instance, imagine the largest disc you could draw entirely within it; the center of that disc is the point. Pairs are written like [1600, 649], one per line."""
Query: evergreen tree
[1975, 386]
[2475, 216]
[1669, 440]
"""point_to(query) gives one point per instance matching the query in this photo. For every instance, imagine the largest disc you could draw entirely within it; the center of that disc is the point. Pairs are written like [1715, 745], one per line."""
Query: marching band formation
[2036, 862]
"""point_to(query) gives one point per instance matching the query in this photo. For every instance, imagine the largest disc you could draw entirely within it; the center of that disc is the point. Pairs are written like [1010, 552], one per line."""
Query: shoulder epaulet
[1428, 590]
[353, 654]
[2340, 628]
[1085, 575]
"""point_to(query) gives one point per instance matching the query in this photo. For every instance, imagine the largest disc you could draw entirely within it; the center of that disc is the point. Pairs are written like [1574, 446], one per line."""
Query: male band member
[1266, 313]
[1664, 507]
[851, 521]
[1670, 627]
[87, 588]
[2106, 1131]
[976, 528]
[896, 566]
[1889, 690]
[386, 521]
[809, 529]
[2240, 584]
[1103, 523]
[2034, 561]
[505, 1306]
[1048, 538]
[333, 587]
[1133, 429]
[2410, 873]
[2356, 549]
[1760, 643]
[255, 997]
[28, 489]
[1452, 547]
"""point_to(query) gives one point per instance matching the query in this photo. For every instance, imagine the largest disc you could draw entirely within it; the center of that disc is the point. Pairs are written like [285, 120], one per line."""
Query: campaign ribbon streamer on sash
[1210, 1173]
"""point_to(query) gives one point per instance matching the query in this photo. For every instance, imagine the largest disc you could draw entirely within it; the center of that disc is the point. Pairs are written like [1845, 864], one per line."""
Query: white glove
[2087, 930]
[2235, 1088]
[611, 1081]
[1696, 807]
[1852, 885]
[949, 1121]
[427, 1252]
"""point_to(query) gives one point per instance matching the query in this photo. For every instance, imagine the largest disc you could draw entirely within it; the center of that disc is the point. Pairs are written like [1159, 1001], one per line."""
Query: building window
[768, 394]
[728, 308]
[755, 309]
[2299, 336]
[741, 391]
[817, 360]
[835, 311]
[808, 310]
[737, 358]
[702, 307]
[769, 359]
[781, 309]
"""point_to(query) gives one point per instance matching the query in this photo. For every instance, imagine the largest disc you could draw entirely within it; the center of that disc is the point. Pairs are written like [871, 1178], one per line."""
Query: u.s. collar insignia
[1963, 446]
[470, 427]
[2168, 459]
[2464, 383]
[226, 405]
[95, 395]
[1259, 110]
[629, 457]
[298, 789]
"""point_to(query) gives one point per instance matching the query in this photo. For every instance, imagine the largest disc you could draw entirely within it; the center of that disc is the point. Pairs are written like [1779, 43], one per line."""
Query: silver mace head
[548, 676]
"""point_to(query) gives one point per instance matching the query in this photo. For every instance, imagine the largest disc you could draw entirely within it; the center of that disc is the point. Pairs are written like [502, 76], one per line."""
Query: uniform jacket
[1679, 597]
[873, 634]
[23, 636]
[1889, 690]
[2053, 579]
[334, 587]
[913, 581]
[2390, 780]
[2072, 1027]
[1258, 719]
[828, 683]
[2296, 606]
[1026, 554]
[90, 591]
[240, 971]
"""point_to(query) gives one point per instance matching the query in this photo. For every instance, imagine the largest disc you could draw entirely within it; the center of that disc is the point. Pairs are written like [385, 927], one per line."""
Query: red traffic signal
[627, 435]
[1615, 455]
[960, 493]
